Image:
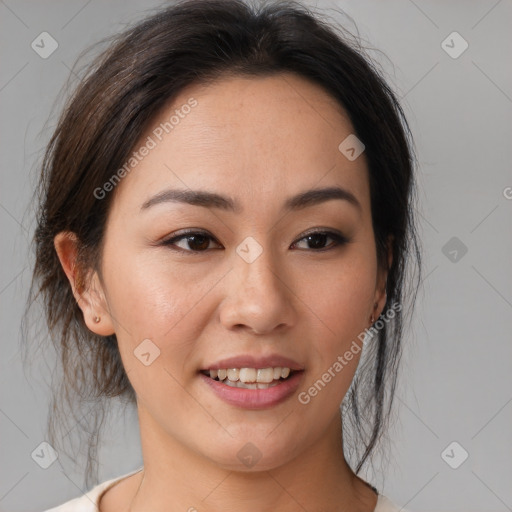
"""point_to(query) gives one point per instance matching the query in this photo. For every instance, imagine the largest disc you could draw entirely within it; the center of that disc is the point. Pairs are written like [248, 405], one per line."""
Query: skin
[259, 141]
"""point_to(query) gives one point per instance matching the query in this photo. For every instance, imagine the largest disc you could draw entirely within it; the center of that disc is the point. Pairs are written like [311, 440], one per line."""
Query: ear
[87, 289]
[380, 293]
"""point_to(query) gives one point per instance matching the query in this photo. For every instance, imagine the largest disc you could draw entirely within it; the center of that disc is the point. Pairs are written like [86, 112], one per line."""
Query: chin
[251, 456]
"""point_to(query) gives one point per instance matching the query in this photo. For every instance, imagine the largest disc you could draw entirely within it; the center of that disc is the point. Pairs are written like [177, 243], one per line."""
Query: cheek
[156, 317]
[150, 296]
[338, 301]
[341, 296]
[151, 299]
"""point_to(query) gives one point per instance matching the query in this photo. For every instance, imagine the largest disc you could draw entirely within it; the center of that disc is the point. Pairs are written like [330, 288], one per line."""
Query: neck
[318, 478]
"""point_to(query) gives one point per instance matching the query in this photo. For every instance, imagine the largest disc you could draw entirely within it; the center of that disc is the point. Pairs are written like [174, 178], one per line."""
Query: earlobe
[89, 295]
[97, 317]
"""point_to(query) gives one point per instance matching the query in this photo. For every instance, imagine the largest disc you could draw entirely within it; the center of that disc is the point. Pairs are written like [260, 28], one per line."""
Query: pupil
[193, 239]
[320, 236]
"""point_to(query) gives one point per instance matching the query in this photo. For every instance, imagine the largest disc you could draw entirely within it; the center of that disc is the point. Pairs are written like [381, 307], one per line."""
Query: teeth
[250, 377]
[254, 385]
[233, 374]
[266, 375]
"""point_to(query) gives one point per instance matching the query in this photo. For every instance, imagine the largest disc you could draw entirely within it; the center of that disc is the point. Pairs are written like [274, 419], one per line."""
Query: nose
[259, 296]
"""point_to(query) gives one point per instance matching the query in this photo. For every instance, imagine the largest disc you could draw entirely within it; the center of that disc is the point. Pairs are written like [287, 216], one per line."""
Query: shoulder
[88, 502]
[384, 504]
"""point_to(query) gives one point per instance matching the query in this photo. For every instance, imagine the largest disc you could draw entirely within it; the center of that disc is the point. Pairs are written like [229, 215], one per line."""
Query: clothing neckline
[97, 492]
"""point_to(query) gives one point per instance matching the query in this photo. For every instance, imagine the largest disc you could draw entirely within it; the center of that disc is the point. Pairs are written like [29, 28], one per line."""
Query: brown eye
[198, 241]
[195, 241]
[317, 239]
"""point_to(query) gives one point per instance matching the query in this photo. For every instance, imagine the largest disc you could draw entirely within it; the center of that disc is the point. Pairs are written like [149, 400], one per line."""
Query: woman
[225, 221]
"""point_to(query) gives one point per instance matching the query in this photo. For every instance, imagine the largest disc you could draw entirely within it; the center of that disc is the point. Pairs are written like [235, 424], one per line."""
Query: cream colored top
[88, 502]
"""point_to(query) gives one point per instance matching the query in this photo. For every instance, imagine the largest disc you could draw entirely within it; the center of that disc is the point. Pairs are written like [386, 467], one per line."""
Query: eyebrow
[212, 200]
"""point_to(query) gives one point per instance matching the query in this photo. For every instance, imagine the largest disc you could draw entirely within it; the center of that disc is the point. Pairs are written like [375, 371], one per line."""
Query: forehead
[272, 136]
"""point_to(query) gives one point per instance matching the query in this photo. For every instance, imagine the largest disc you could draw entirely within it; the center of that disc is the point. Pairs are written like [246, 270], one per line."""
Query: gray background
[457, 375]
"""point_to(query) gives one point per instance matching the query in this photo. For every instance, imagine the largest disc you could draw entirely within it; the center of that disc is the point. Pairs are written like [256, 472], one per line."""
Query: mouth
[253, 388]
[251, 378]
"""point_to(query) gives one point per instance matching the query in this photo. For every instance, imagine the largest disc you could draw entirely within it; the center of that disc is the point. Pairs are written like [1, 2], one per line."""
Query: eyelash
[339, 240]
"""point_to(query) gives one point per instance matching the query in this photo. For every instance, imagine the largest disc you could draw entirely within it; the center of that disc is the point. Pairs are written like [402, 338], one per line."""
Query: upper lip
[249, 361]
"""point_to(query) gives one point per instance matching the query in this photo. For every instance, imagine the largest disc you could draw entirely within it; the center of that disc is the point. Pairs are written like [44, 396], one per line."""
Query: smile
[250, 378]
[253, 388]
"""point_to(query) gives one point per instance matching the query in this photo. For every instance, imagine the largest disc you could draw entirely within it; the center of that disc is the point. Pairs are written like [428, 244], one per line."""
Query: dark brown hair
[199, 41]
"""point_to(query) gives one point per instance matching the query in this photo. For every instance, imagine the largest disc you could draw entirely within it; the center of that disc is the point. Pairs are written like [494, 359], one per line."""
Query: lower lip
[254, 398]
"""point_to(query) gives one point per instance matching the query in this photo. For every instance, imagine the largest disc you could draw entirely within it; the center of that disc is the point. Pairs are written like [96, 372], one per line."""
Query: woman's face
[251, 283]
